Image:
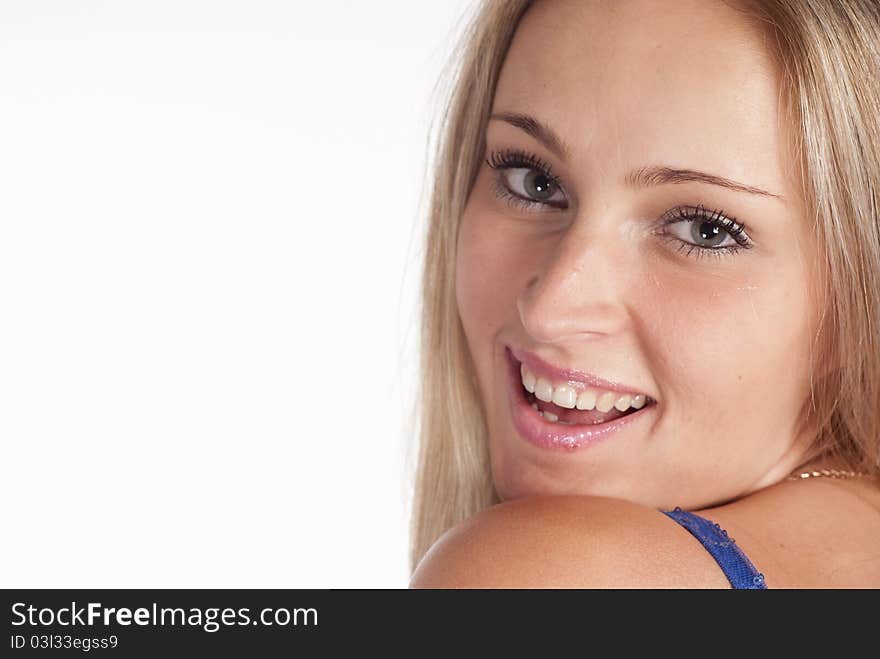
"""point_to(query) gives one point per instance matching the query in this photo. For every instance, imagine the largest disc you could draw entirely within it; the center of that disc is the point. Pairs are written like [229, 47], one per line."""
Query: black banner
[256, 622]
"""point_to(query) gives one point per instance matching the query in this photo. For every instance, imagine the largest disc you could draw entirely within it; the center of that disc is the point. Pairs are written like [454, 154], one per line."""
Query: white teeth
[565, 396]
[568, 397]
[543, 390]
[606, 401]
[535, 406]
[528, 379]
[586, 400]
[550, 416]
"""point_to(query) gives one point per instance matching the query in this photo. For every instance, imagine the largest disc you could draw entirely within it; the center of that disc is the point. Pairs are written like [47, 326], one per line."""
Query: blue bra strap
[736, 566]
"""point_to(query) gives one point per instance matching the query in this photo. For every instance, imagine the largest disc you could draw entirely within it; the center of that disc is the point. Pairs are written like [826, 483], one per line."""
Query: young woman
[651, 321]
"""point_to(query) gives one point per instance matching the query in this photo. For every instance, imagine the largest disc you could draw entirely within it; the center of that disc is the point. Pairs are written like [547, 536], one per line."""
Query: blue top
[736, 566]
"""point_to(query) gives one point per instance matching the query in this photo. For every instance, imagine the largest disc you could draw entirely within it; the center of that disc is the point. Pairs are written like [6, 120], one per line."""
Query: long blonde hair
[829, 54]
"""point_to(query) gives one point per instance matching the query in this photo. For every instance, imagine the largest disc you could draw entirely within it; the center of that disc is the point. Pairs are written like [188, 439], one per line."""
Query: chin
[517, 481]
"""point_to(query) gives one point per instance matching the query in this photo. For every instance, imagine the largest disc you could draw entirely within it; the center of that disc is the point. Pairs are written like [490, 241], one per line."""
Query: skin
[723, 344]
[594, 287]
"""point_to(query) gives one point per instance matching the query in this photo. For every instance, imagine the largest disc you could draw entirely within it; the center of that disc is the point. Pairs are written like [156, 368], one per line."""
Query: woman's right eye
[524, 181]
[531, 185]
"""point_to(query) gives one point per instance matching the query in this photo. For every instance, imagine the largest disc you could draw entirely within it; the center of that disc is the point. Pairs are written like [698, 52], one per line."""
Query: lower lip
[545, 434]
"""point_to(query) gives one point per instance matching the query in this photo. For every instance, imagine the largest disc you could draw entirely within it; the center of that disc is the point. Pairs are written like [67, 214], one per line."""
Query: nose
[580, 288]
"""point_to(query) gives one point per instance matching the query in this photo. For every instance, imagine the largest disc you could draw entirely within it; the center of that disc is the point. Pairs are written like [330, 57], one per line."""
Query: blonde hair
[829, 54]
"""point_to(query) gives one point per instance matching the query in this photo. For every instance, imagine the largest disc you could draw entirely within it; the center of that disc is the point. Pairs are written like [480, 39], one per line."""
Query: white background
[209, 261]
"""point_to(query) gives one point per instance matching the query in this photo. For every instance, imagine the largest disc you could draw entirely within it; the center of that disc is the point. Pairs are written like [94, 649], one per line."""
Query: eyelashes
[514, 159]
[549, 193]
[705, 224]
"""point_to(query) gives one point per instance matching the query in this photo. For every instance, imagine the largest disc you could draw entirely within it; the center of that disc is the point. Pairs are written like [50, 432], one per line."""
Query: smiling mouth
[549, 425]
[572, 402]
[573, 417]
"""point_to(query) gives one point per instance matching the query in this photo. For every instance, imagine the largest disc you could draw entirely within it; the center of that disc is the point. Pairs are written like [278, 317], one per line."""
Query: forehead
[685, 83]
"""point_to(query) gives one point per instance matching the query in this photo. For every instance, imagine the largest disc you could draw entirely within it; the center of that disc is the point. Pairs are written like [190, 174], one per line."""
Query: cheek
[737, 352]
[490, 272]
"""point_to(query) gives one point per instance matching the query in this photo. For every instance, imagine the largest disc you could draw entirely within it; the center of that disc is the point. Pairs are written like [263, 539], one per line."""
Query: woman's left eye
[524, 181]
[699, 232]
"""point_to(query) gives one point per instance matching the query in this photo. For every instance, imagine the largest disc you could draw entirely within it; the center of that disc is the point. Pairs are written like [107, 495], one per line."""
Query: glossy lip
[579, 379]
[532, 427]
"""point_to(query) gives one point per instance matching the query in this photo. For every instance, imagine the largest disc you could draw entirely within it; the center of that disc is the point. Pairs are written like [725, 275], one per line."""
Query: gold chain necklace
[829, 473]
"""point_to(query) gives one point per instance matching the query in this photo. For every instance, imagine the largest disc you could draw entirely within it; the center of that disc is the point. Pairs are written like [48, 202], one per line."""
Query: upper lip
[555, 373]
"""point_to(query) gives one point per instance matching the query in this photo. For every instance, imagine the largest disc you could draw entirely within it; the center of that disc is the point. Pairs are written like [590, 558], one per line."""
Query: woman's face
[612, 273]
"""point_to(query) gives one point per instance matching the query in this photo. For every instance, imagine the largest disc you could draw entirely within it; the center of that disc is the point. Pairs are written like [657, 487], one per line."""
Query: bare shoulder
[818, 533]
[821, 534]
[568, 542]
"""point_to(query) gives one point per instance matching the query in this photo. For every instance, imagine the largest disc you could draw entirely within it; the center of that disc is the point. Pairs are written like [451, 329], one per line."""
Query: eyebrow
[644, 176]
